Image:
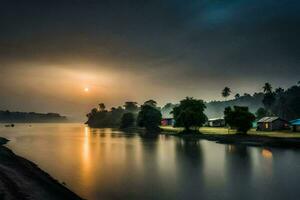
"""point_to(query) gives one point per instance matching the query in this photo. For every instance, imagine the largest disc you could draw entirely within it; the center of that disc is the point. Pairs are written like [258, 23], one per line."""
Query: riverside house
[272, 124]
[167, 122]
[216, 122]
[295, 125]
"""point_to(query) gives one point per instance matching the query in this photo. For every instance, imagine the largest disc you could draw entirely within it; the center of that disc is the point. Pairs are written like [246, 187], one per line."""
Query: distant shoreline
[22, 179]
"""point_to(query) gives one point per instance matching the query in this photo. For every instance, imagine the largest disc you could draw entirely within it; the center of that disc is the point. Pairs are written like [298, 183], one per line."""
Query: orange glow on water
[266, 153]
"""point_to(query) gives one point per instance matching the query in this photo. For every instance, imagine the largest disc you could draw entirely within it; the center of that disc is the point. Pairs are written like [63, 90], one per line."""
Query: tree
[279, 91]
[268, 101]
[237, 96]
[150, 118]
[131, 106]
[269, 97]
[226, 92]
[151, 103]
[189, 113]
[102, 107]
[127, 120]
[267, 88]
[240, 118]
[260, 113]
[167, 109]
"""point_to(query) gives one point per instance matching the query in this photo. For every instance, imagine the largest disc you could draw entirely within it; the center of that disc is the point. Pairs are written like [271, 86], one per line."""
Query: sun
[86, 89]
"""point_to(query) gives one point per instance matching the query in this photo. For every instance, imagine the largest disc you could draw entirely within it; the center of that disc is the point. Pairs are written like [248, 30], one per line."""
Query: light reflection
[267, 154]
[86, 158]
[231, 148]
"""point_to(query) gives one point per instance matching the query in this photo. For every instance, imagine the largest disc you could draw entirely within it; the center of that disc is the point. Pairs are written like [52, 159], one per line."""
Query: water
[108, 164]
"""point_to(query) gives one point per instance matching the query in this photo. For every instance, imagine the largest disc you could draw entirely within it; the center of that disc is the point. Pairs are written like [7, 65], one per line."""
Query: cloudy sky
[50, 51]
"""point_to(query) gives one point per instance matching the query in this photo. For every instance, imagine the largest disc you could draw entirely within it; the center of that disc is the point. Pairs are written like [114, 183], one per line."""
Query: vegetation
[260, 113]
[239, 118]
[102, 118]
[253, 102]
[189, 113]
[226, 92]
[149, 117]
[127, 121]
[31, 117]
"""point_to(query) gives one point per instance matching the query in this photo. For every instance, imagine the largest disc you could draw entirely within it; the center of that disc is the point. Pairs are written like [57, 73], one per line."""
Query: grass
[226, 131]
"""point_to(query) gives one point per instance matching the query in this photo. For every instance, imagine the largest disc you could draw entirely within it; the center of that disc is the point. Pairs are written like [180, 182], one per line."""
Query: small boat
[9, 125]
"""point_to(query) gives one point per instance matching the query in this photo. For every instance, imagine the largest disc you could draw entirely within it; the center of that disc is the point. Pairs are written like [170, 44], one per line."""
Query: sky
[135, 50]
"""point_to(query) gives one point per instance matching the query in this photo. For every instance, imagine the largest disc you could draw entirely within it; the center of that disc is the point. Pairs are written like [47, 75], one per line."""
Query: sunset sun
[86, 89]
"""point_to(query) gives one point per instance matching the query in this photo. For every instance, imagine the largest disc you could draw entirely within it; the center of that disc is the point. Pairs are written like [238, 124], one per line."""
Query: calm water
[108, 164]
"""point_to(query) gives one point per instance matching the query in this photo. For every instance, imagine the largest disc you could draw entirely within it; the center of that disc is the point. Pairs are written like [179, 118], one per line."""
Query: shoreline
[22, 179]
[238, 139]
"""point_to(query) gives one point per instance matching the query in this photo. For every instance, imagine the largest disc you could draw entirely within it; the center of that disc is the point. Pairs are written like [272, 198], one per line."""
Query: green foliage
[260, 113]
[226, 92]
[267, 88]
[287, 104]
[269, 100]
[149, 117]
[131, 106]
[102, 118]
[240, 118]
[127, 120]
[189, 113]
[102, 107]
[167, 109]
[151, 103]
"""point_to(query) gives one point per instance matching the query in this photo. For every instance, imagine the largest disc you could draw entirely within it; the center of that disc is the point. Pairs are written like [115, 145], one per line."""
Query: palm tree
[267, 88]
[226, 92]
[279, 90]
[237, 96]
[101, 107]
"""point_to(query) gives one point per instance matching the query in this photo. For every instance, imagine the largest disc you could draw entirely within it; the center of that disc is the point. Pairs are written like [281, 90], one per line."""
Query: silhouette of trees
[279, 91]
[102, 107]
[269, 98]
[151, 103]
[127, 120]
[226, 92]
[131, 106]
[239, 118]
[267, 88]
[237, 96]
[189, 113]
[149, 117]
[260, 113]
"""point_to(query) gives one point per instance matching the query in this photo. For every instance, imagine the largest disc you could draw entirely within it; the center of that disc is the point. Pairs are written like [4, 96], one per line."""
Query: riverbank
[222, 135]
[21, 179]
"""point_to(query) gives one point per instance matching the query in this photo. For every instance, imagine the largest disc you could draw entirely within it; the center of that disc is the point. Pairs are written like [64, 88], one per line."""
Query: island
[30, 117]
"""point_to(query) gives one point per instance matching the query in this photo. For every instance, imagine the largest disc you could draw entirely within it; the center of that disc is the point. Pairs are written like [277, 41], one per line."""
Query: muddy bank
[21, 179]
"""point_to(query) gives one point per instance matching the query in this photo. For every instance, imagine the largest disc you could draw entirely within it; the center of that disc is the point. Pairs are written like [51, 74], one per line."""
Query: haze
[51, 51]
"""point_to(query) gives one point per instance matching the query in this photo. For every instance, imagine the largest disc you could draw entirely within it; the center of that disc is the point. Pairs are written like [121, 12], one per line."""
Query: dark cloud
[187, 42]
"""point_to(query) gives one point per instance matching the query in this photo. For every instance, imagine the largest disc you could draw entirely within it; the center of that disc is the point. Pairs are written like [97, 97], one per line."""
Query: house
[272, 124]
[167, 122]
[296, 125]
[216, 122]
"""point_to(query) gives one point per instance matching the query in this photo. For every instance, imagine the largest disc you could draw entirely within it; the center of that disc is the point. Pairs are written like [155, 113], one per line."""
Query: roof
[267, 119]
[215, 119]
[295, 122]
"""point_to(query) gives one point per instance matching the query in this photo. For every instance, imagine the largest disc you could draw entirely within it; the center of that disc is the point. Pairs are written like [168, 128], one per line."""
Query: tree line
[189, 113]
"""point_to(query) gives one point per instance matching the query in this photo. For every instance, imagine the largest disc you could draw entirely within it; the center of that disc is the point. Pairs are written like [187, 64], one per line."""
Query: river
[108, 164]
